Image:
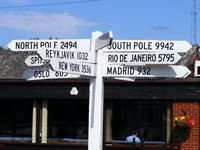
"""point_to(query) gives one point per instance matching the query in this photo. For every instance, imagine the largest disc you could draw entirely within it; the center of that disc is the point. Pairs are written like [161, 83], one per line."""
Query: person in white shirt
[134, 137]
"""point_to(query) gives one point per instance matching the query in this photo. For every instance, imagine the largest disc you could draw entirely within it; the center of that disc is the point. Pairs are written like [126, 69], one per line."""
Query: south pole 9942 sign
[150, 45]
[34, 45]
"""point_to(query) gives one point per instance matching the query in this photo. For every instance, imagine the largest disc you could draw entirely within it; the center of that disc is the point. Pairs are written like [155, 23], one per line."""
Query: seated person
[134, 137]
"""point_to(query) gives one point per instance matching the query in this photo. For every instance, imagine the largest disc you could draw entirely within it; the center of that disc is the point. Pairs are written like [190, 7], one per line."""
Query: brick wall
[187, 139]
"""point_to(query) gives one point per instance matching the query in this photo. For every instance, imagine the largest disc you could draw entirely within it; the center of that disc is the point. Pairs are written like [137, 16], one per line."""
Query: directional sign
[40, 74]
[74, 67]
[150, 45]
[34, 45]
[140, 58]
[145, 71]
[103, 40]
[71, 55]
[35, 60]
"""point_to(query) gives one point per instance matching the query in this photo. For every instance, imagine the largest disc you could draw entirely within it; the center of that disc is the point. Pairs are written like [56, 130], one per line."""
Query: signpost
[100, 57]
[149, 45]
[145, 71]
[74, 67]
[104, 39]
[96, 99]
[141, 58]
[41, 74]
[35, 45]
[68, 55]
[35, 60]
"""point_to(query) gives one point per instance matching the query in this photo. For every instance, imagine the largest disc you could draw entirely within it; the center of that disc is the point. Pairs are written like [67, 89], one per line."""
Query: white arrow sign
[34, 45]
[71, 55]
[145, 71]
[103, 40]
[35, 60]
[140, 58]
[150, 45]
[41, 74]
[74, 67]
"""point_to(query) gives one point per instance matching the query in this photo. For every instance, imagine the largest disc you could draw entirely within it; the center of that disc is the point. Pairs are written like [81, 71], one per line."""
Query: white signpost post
[102, 57]
[103, 40]
[96, 99]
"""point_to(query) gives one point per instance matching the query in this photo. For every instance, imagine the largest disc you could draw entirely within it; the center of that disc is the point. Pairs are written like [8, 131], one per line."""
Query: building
[34, 110]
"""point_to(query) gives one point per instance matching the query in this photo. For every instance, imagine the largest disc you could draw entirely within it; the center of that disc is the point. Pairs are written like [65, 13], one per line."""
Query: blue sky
[127, 19]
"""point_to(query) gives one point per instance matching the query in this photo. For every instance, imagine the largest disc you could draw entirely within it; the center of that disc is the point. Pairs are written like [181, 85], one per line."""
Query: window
[15, 120]
[147, 117]
[68, 119]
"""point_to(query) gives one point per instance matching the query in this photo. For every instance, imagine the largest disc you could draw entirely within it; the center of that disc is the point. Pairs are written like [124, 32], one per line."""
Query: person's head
[134, 132]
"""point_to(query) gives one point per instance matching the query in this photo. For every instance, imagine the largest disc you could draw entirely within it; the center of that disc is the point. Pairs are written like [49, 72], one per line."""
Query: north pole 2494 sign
[34, 45]
[150, 45]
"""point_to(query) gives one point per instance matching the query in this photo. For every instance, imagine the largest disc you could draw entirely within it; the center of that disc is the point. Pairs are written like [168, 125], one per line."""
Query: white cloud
[48, 24]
